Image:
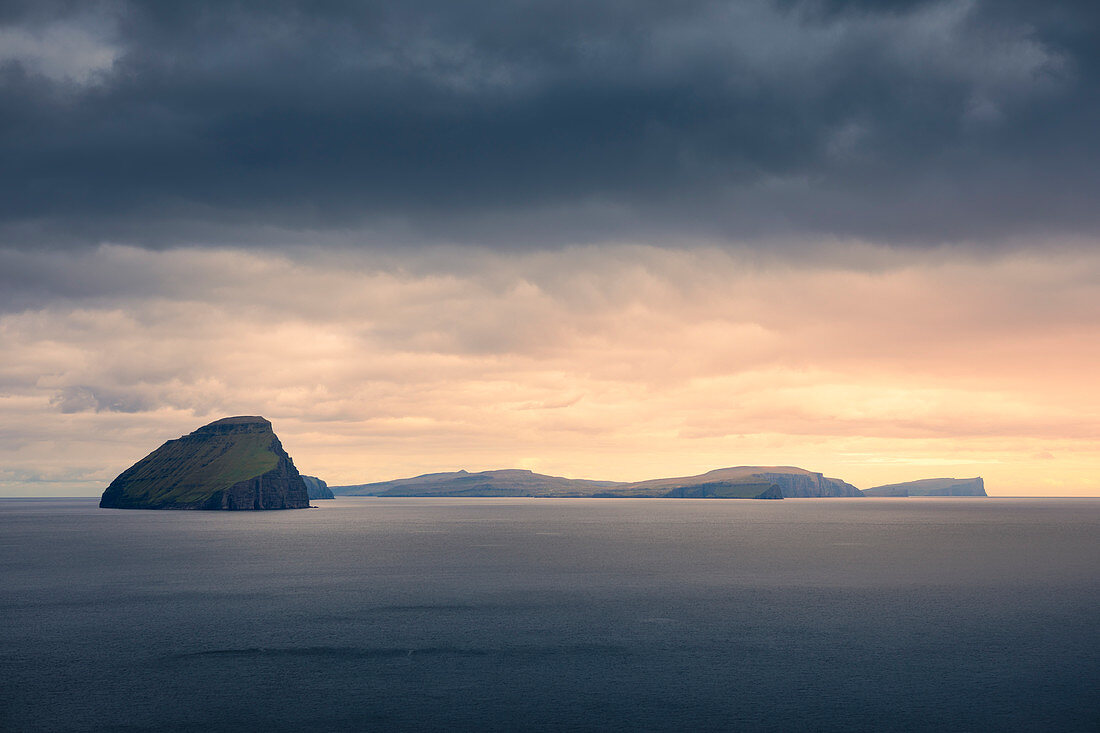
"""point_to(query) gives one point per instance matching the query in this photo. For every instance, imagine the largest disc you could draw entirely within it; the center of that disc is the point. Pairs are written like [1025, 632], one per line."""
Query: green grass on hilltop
[193, 468]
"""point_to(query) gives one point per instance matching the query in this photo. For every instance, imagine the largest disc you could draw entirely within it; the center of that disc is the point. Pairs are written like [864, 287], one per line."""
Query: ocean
[553, 615]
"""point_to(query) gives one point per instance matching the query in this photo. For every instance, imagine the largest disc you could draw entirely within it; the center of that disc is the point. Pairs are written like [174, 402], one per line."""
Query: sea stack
[317, 488]
[236, 463]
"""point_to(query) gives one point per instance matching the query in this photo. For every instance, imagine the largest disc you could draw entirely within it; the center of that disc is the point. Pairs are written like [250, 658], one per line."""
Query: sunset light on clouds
[618, 362]
[601, 244]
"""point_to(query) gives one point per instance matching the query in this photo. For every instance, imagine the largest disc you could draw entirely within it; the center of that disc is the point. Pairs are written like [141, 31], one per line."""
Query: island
[236, 463]
[932, 487]
[741, 482]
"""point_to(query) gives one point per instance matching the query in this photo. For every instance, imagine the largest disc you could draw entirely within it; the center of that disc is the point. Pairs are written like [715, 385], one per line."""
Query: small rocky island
[236, 463]
[317, 488]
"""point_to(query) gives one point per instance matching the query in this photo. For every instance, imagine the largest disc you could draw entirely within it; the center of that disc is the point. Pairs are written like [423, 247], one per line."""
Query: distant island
[235, 463]
[932, 487]
[743, 482]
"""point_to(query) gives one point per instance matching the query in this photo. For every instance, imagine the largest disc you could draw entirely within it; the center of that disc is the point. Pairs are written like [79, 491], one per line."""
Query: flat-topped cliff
[932, 487]
[235, 463]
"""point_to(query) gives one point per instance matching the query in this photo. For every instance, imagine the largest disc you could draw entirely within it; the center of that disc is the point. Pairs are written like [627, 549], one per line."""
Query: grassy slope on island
[185, 471]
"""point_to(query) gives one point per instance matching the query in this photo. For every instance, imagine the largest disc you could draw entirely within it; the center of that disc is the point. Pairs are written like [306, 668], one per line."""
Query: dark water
[527, 614]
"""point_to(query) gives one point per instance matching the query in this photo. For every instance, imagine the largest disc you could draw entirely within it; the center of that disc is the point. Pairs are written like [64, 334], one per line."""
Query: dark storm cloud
[159, 123]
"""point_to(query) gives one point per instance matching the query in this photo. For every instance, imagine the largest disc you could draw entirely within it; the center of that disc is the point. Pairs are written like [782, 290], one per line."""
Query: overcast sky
[596, 239]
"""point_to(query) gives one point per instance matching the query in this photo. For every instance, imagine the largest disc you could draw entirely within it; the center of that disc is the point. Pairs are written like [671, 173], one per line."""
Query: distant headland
[932, 487]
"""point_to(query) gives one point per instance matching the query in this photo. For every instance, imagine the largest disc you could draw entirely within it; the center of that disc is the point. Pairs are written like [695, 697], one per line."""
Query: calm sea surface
[565, 614]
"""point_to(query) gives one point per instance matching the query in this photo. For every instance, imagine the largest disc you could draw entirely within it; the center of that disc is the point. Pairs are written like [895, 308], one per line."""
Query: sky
[593, 239]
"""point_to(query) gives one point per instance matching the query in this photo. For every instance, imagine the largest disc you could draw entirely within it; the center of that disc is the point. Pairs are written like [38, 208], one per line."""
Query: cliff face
[317, 488]
[932, 487]
[235, 463]
[809, 484]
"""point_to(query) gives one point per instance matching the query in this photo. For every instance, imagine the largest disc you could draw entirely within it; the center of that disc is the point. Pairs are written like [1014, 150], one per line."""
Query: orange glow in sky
[610, 362]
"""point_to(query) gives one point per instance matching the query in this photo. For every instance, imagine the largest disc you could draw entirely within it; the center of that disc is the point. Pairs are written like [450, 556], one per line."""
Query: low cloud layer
[609, 362]
[520, 124]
